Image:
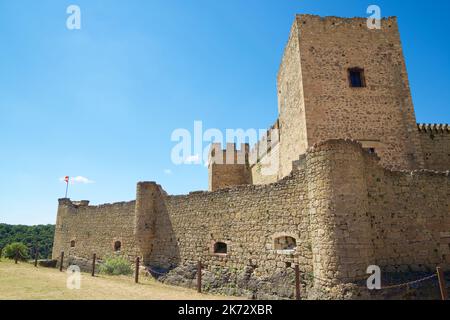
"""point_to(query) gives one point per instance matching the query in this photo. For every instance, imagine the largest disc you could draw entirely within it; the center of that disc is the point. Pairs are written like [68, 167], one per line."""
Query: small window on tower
[356, 77]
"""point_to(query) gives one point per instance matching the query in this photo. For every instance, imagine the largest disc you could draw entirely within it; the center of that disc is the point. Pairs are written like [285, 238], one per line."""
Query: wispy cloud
[78, 180]
[168, 171]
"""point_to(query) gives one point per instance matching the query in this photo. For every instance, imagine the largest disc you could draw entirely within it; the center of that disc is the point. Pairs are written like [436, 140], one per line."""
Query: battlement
[230, 155]
[266, 144]
[69, 203]
[306, 17]
[333, 20]
[433, 128]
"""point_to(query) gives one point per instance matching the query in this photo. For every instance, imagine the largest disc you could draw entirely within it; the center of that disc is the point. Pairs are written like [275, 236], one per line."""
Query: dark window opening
[220, 247]
[356, 77]
[371, 150]
[72, 244]
[117, 246]
[285, 243]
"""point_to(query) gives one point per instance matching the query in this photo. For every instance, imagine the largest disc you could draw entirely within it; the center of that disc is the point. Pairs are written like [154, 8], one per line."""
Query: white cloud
[78, 180]
[192, 159]
[168, 171]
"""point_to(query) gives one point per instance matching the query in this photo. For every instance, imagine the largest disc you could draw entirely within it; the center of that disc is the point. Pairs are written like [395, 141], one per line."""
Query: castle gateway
[356, 182]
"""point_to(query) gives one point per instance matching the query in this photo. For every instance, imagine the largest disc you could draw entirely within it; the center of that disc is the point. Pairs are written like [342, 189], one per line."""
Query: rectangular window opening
[356, 78]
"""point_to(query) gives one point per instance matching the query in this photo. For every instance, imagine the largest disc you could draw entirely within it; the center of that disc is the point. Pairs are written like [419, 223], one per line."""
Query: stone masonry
[356, 183]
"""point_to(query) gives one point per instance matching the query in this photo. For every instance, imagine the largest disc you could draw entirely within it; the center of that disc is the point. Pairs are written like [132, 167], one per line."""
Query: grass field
[25, 282]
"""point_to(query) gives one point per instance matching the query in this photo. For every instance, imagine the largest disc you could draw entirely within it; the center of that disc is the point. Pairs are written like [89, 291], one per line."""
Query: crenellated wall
[435, 141]
[344, 210]
[229, 167]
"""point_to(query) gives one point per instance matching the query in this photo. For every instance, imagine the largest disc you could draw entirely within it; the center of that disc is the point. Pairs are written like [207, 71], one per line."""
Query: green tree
[41, 235]
[18, 248]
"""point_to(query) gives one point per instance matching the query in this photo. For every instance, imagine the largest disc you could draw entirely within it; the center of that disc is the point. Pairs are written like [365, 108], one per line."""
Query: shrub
[116, 266]
[10, 251]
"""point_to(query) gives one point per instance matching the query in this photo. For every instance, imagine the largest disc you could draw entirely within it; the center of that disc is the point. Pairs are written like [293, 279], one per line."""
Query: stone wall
[266, 170]
[381, 113]
[410, 217]
[95, 229]
[343, 210]
[291, 105]
[435, 140]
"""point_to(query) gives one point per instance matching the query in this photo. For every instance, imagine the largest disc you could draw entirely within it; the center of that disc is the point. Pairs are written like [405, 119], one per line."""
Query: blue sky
[102, 102]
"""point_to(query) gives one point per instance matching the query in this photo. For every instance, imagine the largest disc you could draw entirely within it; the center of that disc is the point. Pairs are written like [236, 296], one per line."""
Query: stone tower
[229, 167]
[148, 195]
[340, 79]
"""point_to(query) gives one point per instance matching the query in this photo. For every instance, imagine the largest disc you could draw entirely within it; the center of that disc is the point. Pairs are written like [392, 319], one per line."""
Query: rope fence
[307, 277]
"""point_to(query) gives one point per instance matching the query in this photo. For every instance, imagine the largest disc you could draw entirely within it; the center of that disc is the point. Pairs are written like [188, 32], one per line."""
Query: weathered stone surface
[337, 210]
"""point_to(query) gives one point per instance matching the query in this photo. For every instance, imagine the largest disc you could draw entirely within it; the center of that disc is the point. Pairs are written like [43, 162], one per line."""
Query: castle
[357, 182]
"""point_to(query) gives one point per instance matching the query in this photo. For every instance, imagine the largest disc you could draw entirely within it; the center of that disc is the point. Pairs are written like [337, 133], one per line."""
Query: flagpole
[67, 187]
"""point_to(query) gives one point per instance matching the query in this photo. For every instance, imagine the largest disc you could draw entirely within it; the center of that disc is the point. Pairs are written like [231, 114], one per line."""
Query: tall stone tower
[340, 79]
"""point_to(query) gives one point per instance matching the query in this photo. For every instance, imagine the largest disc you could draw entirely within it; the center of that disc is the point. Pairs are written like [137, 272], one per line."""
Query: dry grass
[25, 282]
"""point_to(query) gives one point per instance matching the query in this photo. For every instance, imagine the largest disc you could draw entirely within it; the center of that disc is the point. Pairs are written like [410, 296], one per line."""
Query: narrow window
[372, 150]
[72, 244]
[117, 246]
[356, 78]
[220, 247]
[285, 243]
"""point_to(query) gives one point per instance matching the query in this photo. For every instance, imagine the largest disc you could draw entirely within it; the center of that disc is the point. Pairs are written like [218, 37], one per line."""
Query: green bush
[116, 266]
[10, 251]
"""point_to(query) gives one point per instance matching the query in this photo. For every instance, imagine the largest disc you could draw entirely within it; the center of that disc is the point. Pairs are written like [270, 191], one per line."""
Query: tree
[41, 235]
[14, 248]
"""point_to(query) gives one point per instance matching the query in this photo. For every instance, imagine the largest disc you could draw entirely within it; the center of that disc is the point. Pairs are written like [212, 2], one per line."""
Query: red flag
[66, 179]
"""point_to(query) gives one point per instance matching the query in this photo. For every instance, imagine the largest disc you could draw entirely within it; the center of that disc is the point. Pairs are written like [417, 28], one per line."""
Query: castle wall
[246, 218]
[366, 214]
[266, 170]
[435, 141]
[291, 106]
[95, 229]
[410, 218]
[339, 225]
[381, 114]
[344, 210]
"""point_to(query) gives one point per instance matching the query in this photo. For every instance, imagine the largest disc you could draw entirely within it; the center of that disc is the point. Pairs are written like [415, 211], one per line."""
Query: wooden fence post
[62, 261]
[199, 277]
[442, 284]
[297, 283]
[93, 264]
[136, 275]
[36, 256]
